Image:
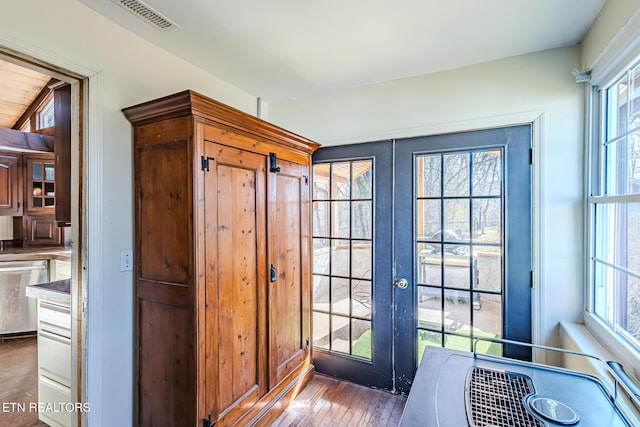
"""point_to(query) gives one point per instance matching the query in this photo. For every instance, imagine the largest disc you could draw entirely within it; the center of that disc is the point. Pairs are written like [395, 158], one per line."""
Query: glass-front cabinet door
[41, 192]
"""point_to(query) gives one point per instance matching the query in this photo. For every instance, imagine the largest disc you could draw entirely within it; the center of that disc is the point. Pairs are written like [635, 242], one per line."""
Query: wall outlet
[126, 260]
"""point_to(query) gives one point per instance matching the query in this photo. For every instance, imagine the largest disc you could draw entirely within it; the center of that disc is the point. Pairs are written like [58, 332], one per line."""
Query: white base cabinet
[54, 363]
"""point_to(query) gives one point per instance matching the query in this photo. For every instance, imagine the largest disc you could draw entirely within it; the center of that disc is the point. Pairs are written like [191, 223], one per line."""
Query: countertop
[31, 253]
[56, 292]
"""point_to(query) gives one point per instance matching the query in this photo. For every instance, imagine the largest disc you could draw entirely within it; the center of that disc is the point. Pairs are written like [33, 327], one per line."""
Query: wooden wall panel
[19, 85]
[164, 214]
[166, 365]
[163, 132]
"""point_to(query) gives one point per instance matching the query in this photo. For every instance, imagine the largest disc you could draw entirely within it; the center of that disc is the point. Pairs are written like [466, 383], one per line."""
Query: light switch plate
[126, 260]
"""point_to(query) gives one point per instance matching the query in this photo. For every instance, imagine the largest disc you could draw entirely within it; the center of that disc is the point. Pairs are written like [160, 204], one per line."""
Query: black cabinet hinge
[204, 162]
[273, 167]
[206, 422]
[308, 342]
[273, 276]
[530, 156]
[306, 179]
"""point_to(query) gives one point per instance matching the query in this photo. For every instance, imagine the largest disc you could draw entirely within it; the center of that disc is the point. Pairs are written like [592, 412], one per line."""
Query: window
[45, 115]
[615, 208]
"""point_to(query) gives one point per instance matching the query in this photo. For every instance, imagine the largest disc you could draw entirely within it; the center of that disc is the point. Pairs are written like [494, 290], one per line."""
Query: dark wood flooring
[330, 402]
[18, 382]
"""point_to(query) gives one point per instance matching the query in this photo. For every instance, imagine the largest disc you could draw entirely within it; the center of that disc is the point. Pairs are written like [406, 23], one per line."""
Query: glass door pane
[458, 247]
[352, 262]
[42, 184]
[343, 257]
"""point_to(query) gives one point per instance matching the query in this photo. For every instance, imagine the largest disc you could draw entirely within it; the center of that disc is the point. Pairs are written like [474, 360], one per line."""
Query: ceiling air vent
[146, 12]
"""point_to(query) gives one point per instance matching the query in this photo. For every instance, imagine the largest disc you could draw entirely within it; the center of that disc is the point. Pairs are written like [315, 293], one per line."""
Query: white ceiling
[281, 49]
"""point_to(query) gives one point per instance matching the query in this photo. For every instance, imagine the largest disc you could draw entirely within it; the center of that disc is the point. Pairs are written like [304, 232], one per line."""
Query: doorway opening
[41, 217]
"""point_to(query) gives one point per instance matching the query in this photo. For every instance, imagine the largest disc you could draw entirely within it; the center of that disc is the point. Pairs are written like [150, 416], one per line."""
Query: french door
[420, 242]
[352, 230]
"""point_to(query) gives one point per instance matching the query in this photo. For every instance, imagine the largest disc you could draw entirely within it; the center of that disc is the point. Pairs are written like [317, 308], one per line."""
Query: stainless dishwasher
[17, 311]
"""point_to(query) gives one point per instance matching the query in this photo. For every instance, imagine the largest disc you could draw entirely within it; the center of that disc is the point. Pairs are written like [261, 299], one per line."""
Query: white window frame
[619, 56]
[46, 109]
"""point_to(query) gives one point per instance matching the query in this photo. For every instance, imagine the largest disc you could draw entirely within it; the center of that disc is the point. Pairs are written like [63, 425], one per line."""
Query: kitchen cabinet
[38, 226]
[222, 264]
[40, 186]
[54, 362]
[37, 230]
[10, 183]
[60, 269]
[54, 350]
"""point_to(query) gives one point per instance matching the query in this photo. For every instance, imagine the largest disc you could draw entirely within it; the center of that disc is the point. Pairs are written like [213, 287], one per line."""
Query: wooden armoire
[222, 264]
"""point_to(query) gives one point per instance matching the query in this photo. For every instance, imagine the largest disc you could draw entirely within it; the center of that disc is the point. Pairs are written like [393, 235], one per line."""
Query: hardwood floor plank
[380, 409]
[383, 413]
[19, 382]
[359, 405]
[331, 402]
[396, 414]
[307, 403]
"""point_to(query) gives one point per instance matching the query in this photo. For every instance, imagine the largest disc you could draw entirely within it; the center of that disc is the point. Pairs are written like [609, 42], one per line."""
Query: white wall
[132, 71]
[465, 98]
[613, 16]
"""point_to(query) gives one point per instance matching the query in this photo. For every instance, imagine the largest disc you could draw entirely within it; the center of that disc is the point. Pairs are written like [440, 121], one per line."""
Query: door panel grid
[343, 257]
[458, 211]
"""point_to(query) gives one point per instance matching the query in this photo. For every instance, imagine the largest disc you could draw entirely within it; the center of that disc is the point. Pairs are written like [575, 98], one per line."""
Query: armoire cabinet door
[288, 247]
[236, 275]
